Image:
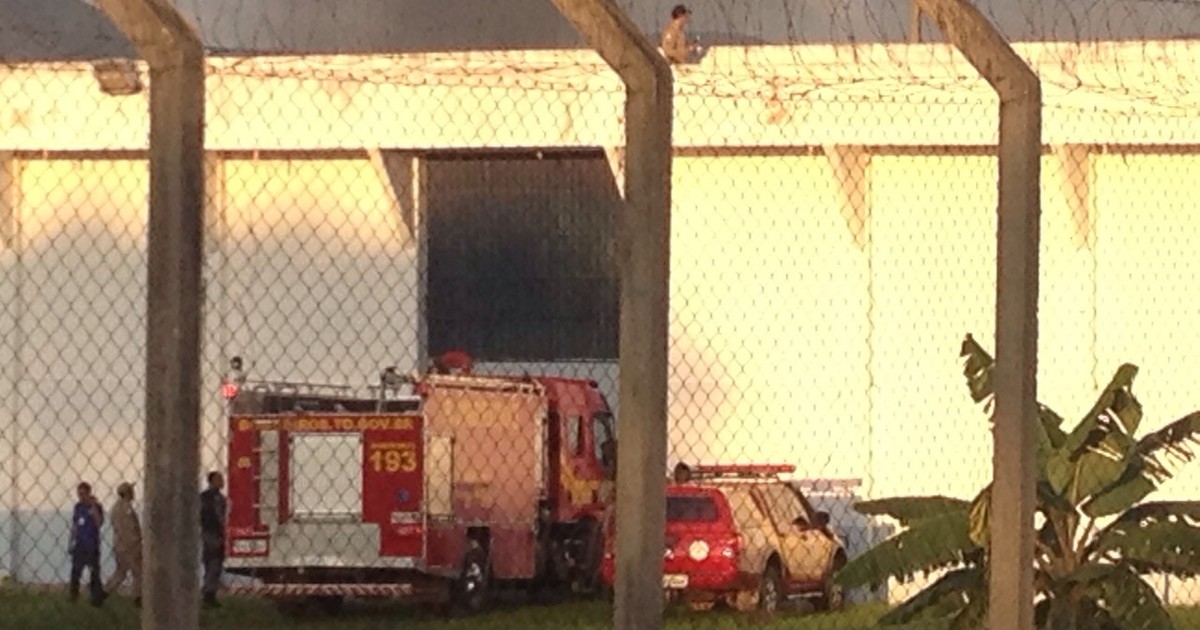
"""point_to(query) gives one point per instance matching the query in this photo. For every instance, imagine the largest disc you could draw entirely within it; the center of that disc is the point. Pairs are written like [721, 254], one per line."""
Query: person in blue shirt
[84, 546]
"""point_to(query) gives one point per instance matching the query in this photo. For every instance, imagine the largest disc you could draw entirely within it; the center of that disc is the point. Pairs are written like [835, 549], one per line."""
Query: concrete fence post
[644, 255]
[174, 52]
[1014, 494]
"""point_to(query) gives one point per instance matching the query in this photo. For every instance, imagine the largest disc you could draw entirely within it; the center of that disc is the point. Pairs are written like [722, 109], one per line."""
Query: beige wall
[790, 341]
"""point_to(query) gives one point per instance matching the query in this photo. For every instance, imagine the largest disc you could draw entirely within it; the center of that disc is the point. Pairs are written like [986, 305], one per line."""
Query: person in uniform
[127, 543]
[84, 545]
[213, 510]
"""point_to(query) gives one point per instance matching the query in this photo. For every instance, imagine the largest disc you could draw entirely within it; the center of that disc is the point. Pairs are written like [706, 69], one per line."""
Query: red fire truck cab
[432, 494]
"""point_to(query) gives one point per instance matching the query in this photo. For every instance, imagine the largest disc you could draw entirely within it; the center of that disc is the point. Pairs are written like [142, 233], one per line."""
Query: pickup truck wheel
[770, 590]
[472, 590]
[833, 599]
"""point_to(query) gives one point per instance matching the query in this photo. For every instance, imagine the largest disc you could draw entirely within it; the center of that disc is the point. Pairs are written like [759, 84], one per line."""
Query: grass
[21, 610]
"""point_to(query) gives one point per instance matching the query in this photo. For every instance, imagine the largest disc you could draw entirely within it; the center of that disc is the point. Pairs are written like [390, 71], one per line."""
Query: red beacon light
[742, 470]
[229, 390]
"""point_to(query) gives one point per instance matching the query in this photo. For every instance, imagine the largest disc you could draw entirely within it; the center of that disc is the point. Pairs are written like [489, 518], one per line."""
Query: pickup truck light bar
[741, 470]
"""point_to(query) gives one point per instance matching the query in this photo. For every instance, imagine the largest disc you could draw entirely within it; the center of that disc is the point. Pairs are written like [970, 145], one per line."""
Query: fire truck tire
[289, 607]
[472, 589]
[329, 605]
[592, 539]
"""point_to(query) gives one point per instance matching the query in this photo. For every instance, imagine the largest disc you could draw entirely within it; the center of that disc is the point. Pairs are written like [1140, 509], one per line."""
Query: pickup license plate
[675, 581]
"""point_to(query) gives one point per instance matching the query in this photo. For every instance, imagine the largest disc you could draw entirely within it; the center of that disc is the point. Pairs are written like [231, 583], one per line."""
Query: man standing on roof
[674, 42]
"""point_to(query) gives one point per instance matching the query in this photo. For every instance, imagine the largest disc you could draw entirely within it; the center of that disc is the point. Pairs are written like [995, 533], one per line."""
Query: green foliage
[1090, 576]
[926, 545]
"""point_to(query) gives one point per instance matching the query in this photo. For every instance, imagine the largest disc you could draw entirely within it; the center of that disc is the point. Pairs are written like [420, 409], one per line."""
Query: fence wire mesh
[435, 188]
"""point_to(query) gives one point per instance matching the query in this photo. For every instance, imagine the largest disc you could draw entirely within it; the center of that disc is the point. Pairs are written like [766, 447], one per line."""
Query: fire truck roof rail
[741, 471]
[298, 388]
[492, 383]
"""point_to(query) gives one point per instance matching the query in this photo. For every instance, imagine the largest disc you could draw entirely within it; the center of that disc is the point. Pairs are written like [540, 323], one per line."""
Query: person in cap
[674, 41]
[127, 543]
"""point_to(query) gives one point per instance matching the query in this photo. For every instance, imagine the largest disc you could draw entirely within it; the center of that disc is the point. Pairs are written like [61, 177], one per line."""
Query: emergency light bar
[742, 470]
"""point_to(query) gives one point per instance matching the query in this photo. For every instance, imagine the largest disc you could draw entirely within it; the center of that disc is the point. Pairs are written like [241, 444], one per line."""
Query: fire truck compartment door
[325, 475]
[439, 471]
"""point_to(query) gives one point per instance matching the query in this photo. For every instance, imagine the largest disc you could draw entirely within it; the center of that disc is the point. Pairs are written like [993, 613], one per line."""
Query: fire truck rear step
[325, 590]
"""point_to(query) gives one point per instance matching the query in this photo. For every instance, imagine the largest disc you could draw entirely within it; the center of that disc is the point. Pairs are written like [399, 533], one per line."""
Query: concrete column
[12, 274]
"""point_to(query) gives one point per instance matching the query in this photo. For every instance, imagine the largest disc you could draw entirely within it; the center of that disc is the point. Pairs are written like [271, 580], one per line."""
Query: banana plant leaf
[978, 367]
[926, 546]
[1154, 538]
[1154, 459]
[908, 510]
[1131, 602]
[1096, 454]
[980, 516]
[949, 595]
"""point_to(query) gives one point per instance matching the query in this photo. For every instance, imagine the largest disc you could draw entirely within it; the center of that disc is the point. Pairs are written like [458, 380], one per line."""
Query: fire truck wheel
[472, 589]
[587, 580]
[290, 607]
[329, 605]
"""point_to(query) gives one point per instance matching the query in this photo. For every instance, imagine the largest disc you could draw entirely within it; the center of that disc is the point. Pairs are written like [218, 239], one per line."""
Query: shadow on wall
[331, 301]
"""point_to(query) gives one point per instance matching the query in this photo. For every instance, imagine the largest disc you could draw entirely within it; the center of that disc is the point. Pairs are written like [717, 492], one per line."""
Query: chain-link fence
[437, 190]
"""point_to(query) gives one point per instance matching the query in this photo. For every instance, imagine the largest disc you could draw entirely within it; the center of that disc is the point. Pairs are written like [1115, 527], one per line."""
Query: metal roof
[47, 30]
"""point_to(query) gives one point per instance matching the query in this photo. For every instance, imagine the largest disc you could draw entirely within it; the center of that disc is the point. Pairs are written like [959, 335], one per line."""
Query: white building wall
[790, 342]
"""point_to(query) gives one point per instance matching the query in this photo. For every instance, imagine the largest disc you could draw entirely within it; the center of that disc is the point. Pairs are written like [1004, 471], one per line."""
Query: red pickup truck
[746, 537]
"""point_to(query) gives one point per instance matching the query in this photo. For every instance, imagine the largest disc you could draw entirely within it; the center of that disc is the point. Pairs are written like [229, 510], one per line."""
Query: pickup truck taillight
[728, 547]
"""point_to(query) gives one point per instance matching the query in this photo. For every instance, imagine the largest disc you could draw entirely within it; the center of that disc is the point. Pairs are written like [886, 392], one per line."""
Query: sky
[67, 28]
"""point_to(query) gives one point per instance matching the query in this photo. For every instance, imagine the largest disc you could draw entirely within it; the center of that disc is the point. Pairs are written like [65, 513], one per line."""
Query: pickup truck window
[691, 509]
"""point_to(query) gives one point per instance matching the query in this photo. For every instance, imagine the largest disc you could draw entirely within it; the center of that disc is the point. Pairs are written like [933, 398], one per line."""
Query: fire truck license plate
[675, 581]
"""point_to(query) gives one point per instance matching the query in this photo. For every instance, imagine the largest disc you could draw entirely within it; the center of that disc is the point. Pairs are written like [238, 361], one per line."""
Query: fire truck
[432, 487]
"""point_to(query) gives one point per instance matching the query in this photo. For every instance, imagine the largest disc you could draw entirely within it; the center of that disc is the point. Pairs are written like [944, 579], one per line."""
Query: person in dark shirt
[84, 546]
[213, 510]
